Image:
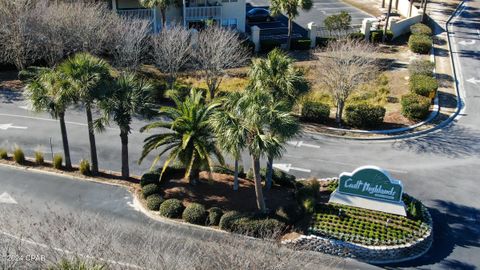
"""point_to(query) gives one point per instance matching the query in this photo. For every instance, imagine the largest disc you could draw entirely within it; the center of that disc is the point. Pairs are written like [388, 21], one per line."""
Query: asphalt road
[442, 168]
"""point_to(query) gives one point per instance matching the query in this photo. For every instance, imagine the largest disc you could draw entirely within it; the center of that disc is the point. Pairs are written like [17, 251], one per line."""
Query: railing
[203, 12]
[145, 14]
[325, 33]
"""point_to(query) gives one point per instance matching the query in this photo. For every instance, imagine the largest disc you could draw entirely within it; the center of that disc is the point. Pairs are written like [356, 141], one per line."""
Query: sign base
[397, 208]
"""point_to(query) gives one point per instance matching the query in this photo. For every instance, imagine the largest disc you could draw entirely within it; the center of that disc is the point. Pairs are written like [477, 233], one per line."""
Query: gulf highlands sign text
[371, 182]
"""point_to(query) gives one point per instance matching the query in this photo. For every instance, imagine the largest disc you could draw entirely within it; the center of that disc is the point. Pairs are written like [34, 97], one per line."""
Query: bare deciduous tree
[345, 65]
[130, 42]
[172, 49]
[215, 50]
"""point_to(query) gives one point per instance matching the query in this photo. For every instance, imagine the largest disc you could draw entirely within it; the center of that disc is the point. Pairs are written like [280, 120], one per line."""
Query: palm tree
[290, 8]
[277, 75]
[128, 96]
[162, 4]
[48, 91]
[87, 76]
[255, 118]
[231, 134]
[189, 140]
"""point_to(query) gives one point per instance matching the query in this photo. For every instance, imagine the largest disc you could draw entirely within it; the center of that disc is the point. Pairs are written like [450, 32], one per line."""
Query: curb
[432, 115]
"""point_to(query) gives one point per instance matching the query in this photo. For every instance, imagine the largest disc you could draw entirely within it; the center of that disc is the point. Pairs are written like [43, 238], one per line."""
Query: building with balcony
[190, 13]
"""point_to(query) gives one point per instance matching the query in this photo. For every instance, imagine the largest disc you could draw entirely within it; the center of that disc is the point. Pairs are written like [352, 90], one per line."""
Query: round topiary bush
[420, 44]
[149, 178]
[150, 189]
[415, 107]
[171, 208]
[214, 216]
[257, 227]
[364, 115]
[154, 201]
[314, 111]
[195, 213]
[226, 221]
[423, 85]
[420, 29]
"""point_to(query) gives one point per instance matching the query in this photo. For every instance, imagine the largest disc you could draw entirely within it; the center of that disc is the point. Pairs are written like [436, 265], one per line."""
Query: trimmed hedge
[421, 67]
[423, 85]
[313, 111]
[195, 213]
[377, 36]
[420, 44]
[415, 107]
[214, 216]
[267, 45]
[251, 225]
[421, 29]
[364, 115]
[228, 218]
[300, 44]
[154, 201]
[171, 208]
[150, 189]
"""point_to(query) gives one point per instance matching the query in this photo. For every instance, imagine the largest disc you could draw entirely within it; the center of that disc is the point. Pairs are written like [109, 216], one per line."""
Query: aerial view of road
[441, 168]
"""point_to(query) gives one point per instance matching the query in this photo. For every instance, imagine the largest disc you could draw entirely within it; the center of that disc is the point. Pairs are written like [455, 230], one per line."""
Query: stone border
[369, 254]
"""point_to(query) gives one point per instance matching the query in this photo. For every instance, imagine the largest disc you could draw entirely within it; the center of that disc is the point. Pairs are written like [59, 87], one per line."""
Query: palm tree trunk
[289, 33]
[258, 185]
[235, 176]
[384, 37]
[339, 114]
[91, 137]
[269, 173]
[125, 167]
[66, 148]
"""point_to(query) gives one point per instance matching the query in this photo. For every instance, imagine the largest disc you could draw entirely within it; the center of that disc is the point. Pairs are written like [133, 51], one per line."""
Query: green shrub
[84, 167]
[3, 154]
[283, 179]
[314, 185]
[150, 189]
[313, 111]
[289, 214]
[267, 45]
[420, 44]
[258, 227]
[195, 213]
[171, 208]
[154, 201]
[228, 218]
[377, 36]
[421, 67]
[323, 41]
[421, 29]
[304, 192]
[356, 36]
[423, 85]
[57, 161]
[309, 205]
[415, 107]
[149, 178]
[214, 216]
[39, 158]
[18, 155]
[364, 115]
[300, 44]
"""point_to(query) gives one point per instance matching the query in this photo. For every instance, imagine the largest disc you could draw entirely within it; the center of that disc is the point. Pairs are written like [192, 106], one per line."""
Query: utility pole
[383, 3]
[384, 37]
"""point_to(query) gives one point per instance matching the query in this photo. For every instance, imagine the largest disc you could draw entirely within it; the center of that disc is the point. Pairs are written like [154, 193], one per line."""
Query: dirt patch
[218, 191]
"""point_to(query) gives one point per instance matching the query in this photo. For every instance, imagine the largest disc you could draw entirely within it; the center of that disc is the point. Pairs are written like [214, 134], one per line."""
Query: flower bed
[366, 227]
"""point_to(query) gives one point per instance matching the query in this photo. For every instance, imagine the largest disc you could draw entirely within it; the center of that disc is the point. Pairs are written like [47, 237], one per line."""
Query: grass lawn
[365, 226]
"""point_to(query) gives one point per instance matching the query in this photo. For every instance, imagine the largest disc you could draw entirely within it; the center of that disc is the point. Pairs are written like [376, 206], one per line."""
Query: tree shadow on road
[453, 141]
[454, 225]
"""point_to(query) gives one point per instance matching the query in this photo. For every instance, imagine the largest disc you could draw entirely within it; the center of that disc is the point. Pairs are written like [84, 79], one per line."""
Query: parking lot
[319, 11]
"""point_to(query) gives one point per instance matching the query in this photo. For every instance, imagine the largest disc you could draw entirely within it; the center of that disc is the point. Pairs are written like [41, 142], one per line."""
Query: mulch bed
[218, 191]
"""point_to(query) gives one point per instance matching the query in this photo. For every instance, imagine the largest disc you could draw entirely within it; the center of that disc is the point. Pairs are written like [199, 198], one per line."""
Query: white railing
[203, 12]
[145, 14]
